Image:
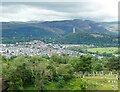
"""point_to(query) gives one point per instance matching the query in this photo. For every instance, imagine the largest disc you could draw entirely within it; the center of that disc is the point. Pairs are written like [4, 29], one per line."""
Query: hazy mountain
[111, 26]
[60, 31]
[52, 28]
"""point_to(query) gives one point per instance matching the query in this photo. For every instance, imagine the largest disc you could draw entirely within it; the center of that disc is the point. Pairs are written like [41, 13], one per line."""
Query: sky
[36, 10]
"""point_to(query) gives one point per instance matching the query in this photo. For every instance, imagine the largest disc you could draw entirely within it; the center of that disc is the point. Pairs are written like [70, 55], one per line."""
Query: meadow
[97, 50]
[103, 49]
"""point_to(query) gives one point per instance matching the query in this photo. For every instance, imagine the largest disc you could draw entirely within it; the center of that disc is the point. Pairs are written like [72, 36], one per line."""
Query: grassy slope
[101, 83]
[75, 84]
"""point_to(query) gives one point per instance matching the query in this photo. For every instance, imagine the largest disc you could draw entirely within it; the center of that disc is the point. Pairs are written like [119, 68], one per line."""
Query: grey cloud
[58, 6]
[68, 10]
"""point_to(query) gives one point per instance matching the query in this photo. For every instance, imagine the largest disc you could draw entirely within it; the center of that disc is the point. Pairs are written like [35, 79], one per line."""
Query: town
[36, 48]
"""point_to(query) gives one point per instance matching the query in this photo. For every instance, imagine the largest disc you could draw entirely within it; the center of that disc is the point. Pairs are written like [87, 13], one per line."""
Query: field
[108, 50]
[105, 49]
[100, 50]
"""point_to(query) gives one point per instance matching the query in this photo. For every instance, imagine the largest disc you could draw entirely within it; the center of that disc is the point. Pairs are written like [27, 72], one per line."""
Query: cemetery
[102, 81]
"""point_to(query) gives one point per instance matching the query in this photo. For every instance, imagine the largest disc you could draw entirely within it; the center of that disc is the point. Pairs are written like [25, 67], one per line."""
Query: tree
[98, 67]
[84, 64]
[20, 77]
[113, 63]
[65, 70]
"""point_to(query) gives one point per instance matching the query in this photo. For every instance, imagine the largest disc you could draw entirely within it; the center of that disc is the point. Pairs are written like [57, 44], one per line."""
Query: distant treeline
[76, 38]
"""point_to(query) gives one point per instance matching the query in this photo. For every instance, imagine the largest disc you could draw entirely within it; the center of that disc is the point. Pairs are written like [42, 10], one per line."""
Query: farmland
[95, 50]
[104, 49]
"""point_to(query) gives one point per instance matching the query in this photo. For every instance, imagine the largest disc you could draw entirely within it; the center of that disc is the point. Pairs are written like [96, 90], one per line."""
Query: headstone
[116, 77]
[111, 72]
[108, 81]
[96, 72]
[101, 84]
[93, 74]
[113, 86]
[101, 72]
[83, 76]
[114, 81]
[105, 79]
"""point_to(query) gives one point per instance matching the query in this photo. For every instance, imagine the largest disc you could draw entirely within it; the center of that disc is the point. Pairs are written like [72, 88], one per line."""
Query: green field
[108, 50]
[105, 49]
[99, 50]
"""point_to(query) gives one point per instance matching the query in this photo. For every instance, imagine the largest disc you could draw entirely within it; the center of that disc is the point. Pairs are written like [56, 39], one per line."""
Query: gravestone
[83, 76]
[96, 72]
[93, 73]
[116, 77]
[110, 73]
[101, 84]
[114, 81]
[101, 72]
[108, 81]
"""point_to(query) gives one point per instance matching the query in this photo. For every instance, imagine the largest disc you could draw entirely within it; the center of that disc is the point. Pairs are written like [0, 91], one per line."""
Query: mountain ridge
[53, 30]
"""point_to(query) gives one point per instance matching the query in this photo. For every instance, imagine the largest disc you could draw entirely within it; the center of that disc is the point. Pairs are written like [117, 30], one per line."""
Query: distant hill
[99, 39]
[111, 26]
[59, 31]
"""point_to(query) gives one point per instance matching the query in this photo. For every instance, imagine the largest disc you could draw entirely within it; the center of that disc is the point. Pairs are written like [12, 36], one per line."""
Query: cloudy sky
[96, 10]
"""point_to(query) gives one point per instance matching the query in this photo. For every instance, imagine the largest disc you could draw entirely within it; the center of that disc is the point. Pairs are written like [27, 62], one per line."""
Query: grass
[101, 50]
[91, 83]
[73, 84]
[105, 49]
[108, 50]
[101, 83]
